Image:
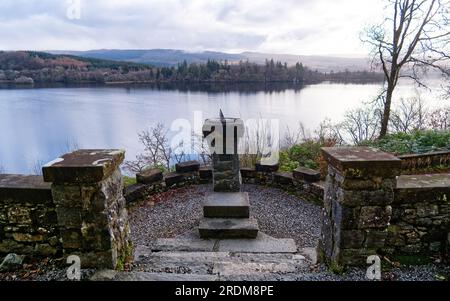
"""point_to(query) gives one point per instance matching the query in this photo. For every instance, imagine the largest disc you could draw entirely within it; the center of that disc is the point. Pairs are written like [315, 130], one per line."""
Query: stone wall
[368, 210]
[420, 221]
[416, 162]
[299, 182]
[28, 220]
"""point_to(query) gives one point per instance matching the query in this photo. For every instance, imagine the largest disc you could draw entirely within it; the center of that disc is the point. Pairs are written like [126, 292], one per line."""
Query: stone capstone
[306, 174]
[149, 176]
[83, 166]
[188, 166]
[224, 205]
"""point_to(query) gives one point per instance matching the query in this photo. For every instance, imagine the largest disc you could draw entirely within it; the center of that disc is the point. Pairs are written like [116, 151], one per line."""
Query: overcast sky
[274, 26]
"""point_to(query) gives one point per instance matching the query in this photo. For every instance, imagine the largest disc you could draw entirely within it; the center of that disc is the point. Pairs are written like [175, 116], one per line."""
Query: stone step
[223, 263]
[111, 275]
[228, 228]
[263, 243]
[227, 205]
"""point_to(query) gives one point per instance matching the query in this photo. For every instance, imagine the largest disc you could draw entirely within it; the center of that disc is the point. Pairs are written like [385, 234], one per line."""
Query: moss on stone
[415, 259]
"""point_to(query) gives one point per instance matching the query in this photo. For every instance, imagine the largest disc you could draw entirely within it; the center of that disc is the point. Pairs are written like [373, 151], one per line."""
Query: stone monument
[227, 210]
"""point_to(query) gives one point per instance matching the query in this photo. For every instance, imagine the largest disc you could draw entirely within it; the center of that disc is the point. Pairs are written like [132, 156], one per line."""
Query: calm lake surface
[39, 124]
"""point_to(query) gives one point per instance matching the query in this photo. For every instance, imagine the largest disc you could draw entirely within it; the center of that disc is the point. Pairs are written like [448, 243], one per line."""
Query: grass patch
[127, 181]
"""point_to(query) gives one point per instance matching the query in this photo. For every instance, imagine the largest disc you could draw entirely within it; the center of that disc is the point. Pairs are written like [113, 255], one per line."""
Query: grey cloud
[194, 24]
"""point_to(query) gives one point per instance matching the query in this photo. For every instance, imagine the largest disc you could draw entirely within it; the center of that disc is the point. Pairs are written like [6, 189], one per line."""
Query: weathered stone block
[228, 228]
[306, 174]
[188, 166]
[173, 178]
[45, 250]
[224, 205]
[426, 210]
[362, 162]
[259, 167]
[221, 166]
[247, 172]
[135, 192]
[351, 239]
[226, 185]
[69, 217]
[283, 178]
[83, 166]
[356, 257]
[354, 198]
[25, 237]
[71, 239]
[67, 195]
[12, 246]
[205, 173]
[149, 176]
[19, 215]
[374, 217]
[375, 239]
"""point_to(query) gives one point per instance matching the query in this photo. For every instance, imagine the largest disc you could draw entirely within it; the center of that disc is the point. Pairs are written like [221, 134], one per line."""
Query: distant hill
[171, 57]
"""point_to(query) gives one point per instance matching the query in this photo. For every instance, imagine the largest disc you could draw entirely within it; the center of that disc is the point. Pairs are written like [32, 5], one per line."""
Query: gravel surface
[175, 212]
[279, 214]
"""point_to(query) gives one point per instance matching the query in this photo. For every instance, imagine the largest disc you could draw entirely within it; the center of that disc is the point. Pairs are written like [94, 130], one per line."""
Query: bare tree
[2, 169]
[414, 38]
[157, 150]
[409, 116]
[292, 138]
[360, 125]
[439, 119]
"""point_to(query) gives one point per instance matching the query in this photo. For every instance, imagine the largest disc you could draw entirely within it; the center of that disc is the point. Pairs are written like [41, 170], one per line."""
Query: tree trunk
[387, 110]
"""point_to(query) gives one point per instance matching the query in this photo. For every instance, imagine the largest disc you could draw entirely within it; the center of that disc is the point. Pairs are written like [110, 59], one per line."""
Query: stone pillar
[223, 136]
[359, 190]
[92, 216]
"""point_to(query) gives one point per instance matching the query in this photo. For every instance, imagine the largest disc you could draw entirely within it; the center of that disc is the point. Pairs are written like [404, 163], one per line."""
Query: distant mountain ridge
[172, 57]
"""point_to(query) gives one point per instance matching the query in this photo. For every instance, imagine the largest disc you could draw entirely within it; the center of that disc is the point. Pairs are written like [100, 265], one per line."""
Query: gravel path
[175, 212]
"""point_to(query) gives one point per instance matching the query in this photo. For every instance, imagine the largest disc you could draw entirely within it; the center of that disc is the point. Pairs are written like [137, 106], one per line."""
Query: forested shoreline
[27, 67]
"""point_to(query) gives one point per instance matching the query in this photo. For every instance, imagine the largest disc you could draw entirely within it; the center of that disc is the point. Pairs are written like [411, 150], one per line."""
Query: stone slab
[344, 158]
[25, 188]
[184, 244]
[262, 244]
[149, 176]
[110, 275]
[228, 228]
[188, 166]
[83, 166]
[306, 174]
[253, 268]
[227, 205]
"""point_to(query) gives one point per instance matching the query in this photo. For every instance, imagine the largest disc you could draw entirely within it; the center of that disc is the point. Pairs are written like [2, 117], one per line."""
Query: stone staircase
[191, 258]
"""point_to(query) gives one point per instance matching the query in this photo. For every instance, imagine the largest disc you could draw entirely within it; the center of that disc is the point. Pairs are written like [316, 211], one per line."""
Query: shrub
[414, 143]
